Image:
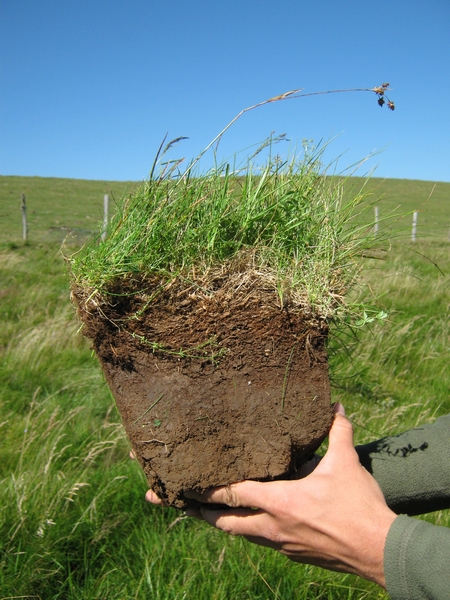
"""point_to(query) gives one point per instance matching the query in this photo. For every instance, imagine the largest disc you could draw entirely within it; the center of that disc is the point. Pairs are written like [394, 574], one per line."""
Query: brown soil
[212, 388]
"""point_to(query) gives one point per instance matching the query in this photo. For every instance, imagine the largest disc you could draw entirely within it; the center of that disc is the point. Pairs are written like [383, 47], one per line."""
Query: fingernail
[339, 408]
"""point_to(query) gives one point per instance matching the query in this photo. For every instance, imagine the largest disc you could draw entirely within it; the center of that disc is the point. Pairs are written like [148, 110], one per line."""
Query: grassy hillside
[55, 206]
[73, 521]
[404, 196]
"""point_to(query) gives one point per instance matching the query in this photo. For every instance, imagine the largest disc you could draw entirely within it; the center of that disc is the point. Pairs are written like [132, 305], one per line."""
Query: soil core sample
[208, 300]
[217, 380]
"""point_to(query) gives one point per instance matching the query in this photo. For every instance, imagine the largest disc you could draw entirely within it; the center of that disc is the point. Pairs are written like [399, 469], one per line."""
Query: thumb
[340, 438]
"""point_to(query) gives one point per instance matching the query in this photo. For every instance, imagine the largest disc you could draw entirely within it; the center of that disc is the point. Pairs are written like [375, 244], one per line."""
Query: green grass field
[431, 200]
[73, 521]
[55, 207]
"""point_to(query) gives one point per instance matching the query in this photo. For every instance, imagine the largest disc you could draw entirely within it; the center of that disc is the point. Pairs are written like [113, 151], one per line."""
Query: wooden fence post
[414, 225]
[24, 218]
[375, 229]
[105, 215]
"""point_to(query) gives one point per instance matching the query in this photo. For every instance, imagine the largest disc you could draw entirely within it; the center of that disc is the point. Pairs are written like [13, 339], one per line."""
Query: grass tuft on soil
[284, 223]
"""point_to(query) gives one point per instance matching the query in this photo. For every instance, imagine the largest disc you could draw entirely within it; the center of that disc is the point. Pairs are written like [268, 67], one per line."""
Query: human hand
[335, 518]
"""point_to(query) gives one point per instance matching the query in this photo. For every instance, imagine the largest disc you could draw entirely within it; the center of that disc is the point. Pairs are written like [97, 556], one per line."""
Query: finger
[194, 512]
[253, 525]
[150, 496]
[243, 494]
[239, 521]
[340, 442]
[341, 432]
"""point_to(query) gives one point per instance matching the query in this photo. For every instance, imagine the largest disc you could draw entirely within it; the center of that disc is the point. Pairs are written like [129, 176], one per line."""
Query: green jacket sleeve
[417, 560]
[413, 468]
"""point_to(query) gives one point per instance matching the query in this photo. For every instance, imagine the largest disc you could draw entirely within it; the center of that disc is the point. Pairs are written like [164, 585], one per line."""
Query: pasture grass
[283, 224]
[73, 521]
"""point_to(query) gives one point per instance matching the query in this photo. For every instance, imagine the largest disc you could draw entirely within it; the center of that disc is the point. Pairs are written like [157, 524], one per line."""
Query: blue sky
[88, 89]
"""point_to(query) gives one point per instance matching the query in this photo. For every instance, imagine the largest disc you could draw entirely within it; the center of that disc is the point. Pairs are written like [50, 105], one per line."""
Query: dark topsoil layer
[212, 389]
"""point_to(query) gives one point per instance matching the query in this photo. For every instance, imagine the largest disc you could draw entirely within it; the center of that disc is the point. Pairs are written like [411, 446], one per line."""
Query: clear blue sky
[88, 88]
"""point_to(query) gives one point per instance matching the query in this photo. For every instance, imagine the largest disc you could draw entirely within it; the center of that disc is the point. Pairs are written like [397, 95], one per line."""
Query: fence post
[375, 229]
[105, 215]
[414, 225]
[24, 218]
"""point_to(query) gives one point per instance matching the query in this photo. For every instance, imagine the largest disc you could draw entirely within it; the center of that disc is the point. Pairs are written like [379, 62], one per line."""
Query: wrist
[370, 561]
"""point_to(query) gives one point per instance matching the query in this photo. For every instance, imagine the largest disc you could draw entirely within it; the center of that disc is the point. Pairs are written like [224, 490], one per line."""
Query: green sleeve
[413, 468]
[417, 560]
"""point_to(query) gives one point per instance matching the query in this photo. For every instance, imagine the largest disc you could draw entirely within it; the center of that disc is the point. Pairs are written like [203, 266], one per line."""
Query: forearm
[413, 468]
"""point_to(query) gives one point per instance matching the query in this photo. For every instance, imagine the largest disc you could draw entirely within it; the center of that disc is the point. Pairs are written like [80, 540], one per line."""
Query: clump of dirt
[213, 385]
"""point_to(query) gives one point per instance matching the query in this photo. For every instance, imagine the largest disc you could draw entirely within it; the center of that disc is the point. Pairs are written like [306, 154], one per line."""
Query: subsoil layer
[212, 389]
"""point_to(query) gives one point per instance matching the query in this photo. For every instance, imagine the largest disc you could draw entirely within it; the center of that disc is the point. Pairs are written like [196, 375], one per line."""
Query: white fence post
[375, 229]
[24, 218]
[414, 225]
[105, 215]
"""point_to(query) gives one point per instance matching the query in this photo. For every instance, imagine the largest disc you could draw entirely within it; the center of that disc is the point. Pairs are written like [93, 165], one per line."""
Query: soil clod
[213, 388]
